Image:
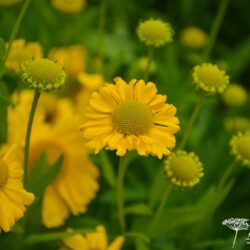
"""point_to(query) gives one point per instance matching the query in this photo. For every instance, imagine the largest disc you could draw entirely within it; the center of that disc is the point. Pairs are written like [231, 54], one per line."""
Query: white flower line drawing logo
[236, 224]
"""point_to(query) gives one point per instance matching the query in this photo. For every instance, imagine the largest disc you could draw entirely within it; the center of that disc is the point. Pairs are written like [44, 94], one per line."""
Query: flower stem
[159, 211]
[120, 193]
[191, 121]
[215, 28]
[102, 23]
[235, 237]
[16, 27]
[28, 133]
[151, 51]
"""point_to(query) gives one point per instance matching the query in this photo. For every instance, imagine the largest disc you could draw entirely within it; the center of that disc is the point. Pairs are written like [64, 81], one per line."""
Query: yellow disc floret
[209, 78]
[155, 32]
[3, 173]
[43, 74]
[234, 95]
[240, 145]
[194, 37]
[184, 169]
[132, 118]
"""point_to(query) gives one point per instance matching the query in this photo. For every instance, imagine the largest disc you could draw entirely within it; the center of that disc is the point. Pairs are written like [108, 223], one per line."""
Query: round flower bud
[234, 95]
[240, 145]
[184, 169]
[209, 78]
[155, 32]
[43, 74]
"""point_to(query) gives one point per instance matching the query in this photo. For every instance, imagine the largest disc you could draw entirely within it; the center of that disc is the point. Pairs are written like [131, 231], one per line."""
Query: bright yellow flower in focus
[234, 95]
[193, 37]
[236, 124]
[209, 78]
[184, 169]
[92, 241]
[72, 58]
[240, 145]
[68, 6]
[9, 2]
[155, 32]
[55, 131]
[130, 117]
[20, 52]
[13, 197]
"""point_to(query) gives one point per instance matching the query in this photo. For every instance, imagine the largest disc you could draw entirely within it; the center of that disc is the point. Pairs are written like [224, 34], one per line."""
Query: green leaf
[2, 48]
[141, 245]
[139, 209]
[42, 175]
[139, 236]
[37, 238]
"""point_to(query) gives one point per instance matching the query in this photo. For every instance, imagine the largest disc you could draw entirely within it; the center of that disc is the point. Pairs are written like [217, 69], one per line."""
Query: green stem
[28, 133]
[159, 211]
[16, 27]
[120, 193]
[151, 51]
[102, 23]
[191, 121]
[215, 28]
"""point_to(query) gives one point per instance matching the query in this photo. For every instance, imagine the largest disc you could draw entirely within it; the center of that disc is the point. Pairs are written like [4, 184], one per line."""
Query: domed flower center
[211, 75]
[132, 118]
[3, 173]
[244, 146]
[44, 70]
[185, 168]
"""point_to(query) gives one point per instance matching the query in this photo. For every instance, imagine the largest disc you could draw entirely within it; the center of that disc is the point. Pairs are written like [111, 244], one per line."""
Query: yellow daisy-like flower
[72, 59]
[236, 124]
[184, 169]
[13, 197]
[193, 37]
[20, 52]
[9, 2]
[155, 32]
[68, 6]
[130, 117]
[92, 241]
[43, 74]
[55, 131]
[209, 78]
[234, 95]
[240, 145]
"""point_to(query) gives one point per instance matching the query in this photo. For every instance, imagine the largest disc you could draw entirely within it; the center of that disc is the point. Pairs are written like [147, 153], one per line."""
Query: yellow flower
[130, 117]
[234, 95]
[9, 2]
[155, 32]
[55, 131]
[91, 82]
[13, 197]
[209, 78]
[184, 169]
[236, 124]
[193, 37]
[240, 145]
[42, 74]
[72, 59]
[92, 241]
[68, 6]
[20, 52]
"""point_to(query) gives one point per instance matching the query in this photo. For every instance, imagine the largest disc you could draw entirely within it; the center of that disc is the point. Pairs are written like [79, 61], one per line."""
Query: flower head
[194, 37]
[95, 240]
[236, 223]
[236, 124]
[43, 74]
[72, 59]
[184, 169]
[234, 95]
[20, 52]
[240, 145]
[130, 117]
[155, 32]
[209, 78]
[91, 82]
[13, 197]
[68, 6]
